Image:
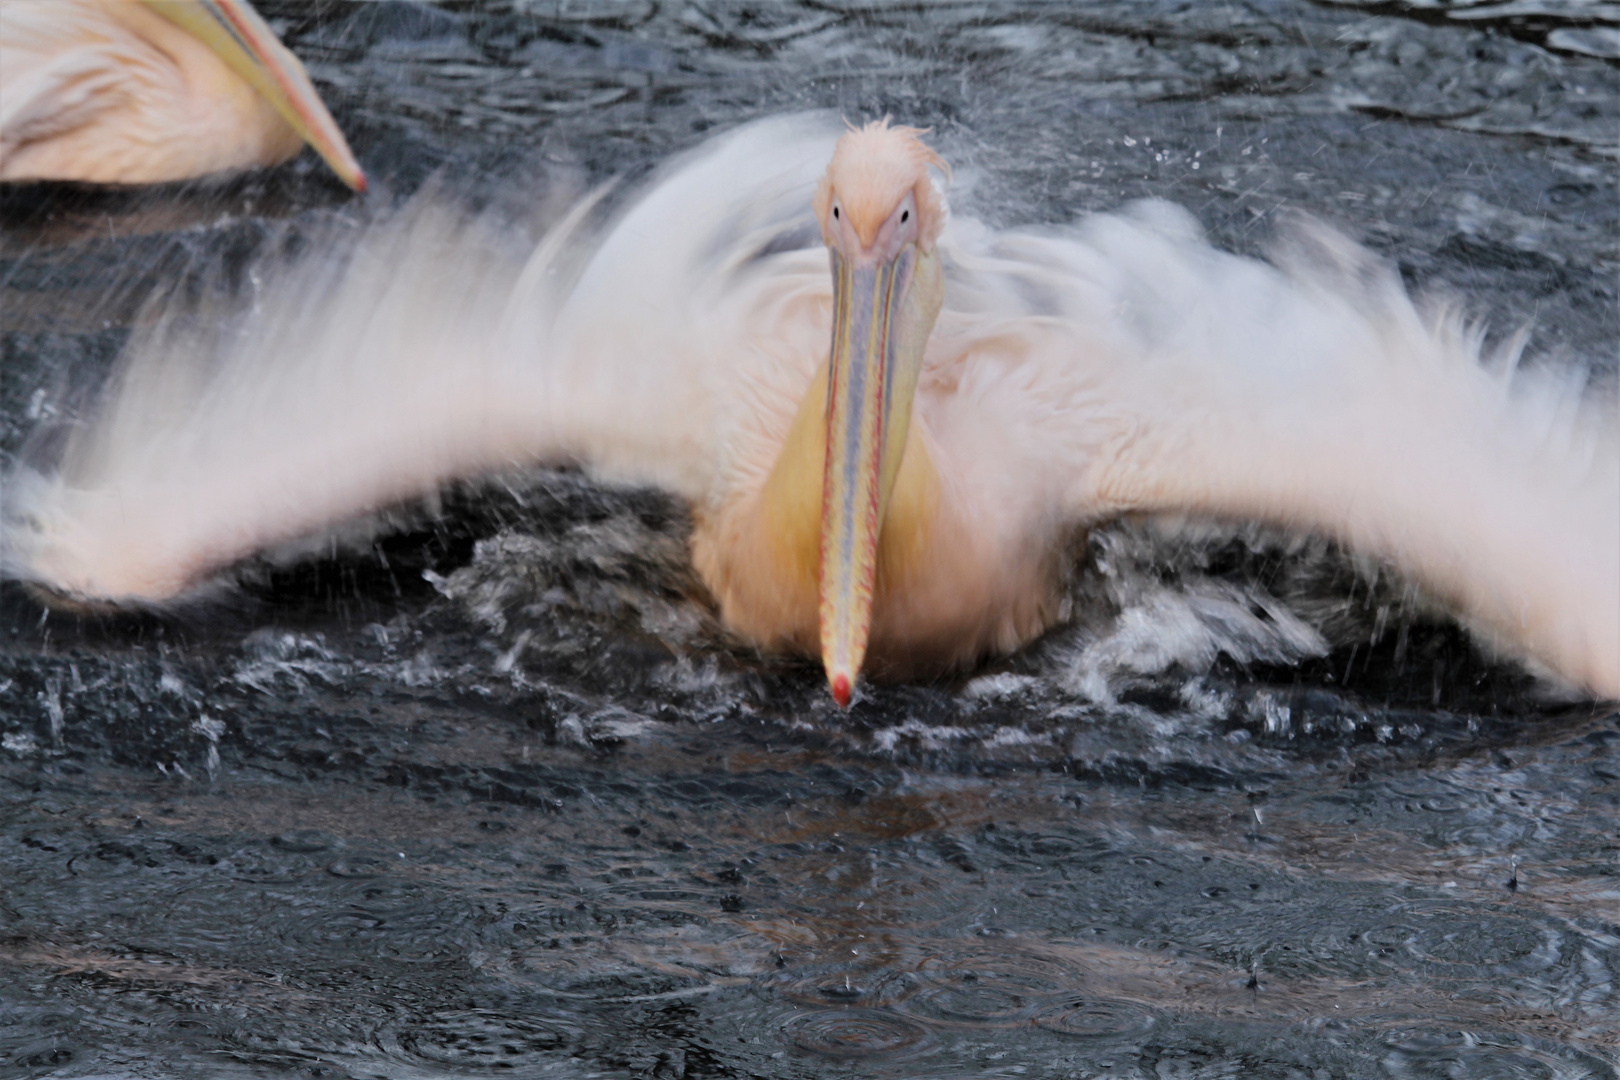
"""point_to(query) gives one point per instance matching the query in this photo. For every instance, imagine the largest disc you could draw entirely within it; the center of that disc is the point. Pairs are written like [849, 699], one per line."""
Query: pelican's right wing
[354, 380]
[1311, 393]
[371, 369]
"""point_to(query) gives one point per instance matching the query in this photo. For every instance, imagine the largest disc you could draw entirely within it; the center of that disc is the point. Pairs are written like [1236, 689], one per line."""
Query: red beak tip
[841, 690]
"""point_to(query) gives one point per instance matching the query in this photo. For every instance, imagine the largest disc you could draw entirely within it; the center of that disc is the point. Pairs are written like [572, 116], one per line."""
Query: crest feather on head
[871, 170]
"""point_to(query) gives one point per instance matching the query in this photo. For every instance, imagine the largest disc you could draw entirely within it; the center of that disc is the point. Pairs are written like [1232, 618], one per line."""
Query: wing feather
[1310, 392]
[372, 371]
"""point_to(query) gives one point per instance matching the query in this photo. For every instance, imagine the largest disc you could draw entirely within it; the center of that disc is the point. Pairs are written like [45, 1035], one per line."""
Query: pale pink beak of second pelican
[236, 33]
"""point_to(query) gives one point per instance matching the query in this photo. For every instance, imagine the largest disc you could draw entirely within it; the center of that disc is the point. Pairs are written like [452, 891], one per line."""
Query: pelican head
[880, 217]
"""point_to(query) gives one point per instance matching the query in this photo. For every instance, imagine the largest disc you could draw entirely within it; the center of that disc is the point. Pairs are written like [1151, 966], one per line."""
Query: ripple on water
[975, 989]
[1096, 1018]
[37, 1038]
[849, 986]
[857, 1033]
[1466, 1055]
[371, 916]
[639, 984]
[972, 1003]
[361, 866]
[480, 1039]
[1010, 969]
[593, 972]
[870, 974]
[1471, 939]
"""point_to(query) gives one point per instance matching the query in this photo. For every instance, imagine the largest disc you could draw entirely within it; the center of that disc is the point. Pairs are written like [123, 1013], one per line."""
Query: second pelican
[120, 92]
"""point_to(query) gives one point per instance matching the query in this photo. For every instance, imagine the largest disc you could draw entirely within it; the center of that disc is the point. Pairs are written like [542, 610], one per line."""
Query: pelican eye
[905, 216]
[835, 212]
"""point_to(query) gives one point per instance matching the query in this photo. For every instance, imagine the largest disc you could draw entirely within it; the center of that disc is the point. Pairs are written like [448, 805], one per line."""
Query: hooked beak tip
[841, 689]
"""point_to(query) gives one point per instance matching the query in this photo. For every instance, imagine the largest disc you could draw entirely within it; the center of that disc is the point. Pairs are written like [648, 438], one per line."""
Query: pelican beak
[236, 33]
[875, 359]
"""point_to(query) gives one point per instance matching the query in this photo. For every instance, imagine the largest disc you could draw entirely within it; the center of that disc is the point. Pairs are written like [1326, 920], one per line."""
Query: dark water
[495, 797]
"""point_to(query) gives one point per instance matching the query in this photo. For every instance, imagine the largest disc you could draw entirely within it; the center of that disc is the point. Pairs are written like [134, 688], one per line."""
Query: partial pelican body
[127, 92]
[898, 501]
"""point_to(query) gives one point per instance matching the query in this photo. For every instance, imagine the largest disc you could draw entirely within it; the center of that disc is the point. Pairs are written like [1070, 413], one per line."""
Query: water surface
[492, 795]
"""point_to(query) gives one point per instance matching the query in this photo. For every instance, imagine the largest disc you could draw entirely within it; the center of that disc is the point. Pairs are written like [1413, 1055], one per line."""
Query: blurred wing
[351, 383]
[1167, 376]
[425, 353]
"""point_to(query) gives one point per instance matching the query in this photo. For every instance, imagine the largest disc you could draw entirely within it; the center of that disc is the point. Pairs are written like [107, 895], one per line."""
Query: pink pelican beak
[886, 296]
[236, 33]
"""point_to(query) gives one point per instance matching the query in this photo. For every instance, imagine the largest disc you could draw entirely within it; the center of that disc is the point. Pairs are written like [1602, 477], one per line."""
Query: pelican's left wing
[1310, 392]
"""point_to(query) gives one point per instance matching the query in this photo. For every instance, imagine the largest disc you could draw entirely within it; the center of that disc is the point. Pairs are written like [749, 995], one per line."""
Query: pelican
[127, 92]
[885, 463]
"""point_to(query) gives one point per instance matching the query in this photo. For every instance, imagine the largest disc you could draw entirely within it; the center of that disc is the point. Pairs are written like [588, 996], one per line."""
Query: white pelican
[127, 92]
[897, 502]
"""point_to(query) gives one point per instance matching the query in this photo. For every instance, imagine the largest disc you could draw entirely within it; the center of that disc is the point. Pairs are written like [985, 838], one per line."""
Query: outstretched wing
[428, 349]
[1310, 392]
